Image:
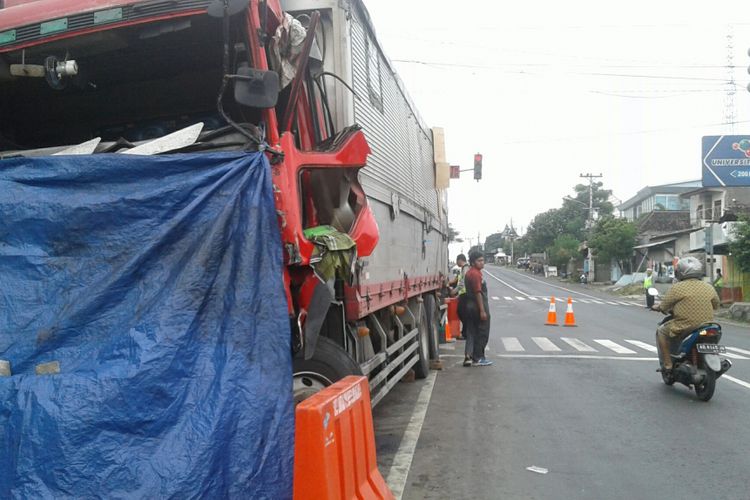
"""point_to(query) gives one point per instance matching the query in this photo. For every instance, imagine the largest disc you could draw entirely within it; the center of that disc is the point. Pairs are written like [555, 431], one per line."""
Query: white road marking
[508, 284]
[512, 344]
[545, 344]
[612, 303]
[597, 302]
[533, 298]
[624, 303]
[734, 356]
[520, 298]
[578, 345]
[575, 356]
[548, 284]
[642, 345]
[546, 299]
[495, 298]
[614, 346]
[737, 381]
[584, 301]
[450, 347]
[399, 470]
[508, 298]
[741, 351]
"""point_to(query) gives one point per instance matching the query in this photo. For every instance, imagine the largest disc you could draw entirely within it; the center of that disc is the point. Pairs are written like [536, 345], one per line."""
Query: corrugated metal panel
[401, 150]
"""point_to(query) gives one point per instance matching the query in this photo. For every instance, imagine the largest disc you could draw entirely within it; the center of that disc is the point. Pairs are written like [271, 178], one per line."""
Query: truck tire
[329, 364]
[433, 323]
[422, 368]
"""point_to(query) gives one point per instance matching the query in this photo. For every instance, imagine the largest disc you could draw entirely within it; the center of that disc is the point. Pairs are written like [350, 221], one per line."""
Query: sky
[547, 91]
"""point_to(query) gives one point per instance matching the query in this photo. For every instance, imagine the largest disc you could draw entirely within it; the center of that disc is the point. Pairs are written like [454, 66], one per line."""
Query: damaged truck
[122, 116]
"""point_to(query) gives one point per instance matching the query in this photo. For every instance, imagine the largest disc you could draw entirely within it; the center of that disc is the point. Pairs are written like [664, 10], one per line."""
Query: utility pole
[590, 223]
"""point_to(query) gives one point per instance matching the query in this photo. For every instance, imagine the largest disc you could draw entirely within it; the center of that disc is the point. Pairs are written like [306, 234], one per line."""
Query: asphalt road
[583, 405]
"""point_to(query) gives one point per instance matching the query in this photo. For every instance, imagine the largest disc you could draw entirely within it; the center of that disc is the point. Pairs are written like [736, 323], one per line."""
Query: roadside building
[662, 216]
[713, 215]
[663, 198]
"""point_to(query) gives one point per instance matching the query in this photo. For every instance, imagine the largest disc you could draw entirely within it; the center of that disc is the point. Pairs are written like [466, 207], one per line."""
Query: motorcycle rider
[691, 301]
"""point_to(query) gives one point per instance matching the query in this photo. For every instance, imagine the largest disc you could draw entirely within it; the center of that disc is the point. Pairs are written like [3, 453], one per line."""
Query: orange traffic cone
[448, 336]
[570, 319]
[552, 314]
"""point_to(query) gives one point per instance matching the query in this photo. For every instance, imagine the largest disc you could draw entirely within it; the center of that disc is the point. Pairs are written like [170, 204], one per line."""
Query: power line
[672, 93]
[556, 55]
[632, 132]
[447, 65]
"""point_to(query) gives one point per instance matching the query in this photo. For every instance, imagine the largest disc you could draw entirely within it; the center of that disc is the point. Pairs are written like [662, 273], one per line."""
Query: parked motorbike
[695, 359]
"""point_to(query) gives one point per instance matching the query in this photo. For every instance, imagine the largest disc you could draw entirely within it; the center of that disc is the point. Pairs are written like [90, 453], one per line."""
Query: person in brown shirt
[691, 301]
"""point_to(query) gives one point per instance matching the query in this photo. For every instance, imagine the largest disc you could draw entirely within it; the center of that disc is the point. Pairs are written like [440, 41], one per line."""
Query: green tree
[544, 229]
[613, 238]
[600, 197]
[740, 244]
[569, 219]
[564, 248]
[494, 242]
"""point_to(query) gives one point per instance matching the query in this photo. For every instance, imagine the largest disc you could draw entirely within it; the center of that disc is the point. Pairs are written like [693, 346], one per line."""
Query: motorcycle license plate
[711, 348]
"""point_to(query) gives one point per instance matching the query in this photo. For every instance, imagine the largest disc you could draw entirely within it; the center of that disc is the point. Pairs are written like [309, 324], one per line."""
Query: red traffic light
[477, 166]
[477, 158]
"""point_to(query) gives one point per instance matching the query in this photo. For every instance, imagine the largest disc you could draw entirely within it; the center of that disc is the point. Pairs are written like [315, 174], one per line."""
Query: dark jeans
[649, 299]
[477, 335]
[462, 313]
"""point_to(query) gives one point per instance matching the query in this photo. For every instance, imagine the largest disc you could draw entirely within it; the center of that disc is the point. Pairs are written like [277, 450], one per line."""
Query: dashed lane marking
[734, 356]
[737, 349]
[495, 298]
[508, 298]
[578, 345]
[736, 381]
[614, 346]
[512, 344]
[642, 345]
[574, 356]
[545, 344]
[520, 298]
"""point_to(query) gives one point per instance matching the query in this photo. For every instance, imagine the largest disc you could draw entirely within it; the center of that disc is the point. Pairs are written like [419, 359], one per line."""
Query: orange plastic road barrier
[570, 319]
[448, 337]
[552, 314]
[453, 320]
[334, 448]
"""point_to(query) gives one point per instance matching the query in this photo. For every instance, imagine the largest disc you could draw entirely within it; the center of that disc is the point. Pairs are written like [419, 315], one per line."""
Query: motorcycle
[695, 359]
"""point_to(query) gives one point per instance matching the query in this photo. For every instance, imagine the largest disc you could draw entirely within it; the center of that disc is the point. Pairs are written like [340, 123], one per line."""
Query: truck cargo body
[144, 70]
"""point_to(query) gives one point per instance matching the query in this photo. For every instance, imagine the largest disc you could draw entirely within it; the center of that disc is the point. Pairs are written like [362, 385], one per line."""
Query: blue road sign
[726, 160]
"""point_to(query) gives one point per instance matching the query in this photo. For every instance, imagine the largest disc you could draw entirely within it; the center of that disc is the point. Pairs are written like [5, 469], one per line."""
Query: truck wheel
[422, 368]
[433, 323]
[329, 364]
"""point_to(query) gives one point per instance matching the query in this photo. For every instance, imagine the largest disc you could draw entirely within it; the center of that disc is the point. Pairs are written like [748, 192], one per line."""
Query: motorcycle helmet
[687, 268]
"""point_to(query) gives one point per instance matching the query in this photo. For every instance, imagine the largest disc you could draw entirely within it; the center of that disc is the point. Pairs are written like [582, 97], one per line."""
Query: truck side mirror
[256, 88]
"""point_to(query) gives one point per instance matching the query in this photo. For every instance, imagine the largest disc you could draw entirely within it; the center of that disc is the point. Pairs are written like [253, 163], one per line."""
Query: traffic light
[477, 166]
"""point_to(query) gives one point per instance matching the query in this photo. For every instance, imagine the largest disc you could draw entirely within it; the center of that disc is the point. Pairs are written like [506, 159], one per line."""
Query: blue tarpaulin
[156, 285]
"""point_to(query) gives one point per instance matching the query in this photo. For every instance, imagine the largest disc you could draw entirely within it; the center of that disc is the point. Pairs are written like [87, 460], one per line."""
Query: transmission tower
[729, 115]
